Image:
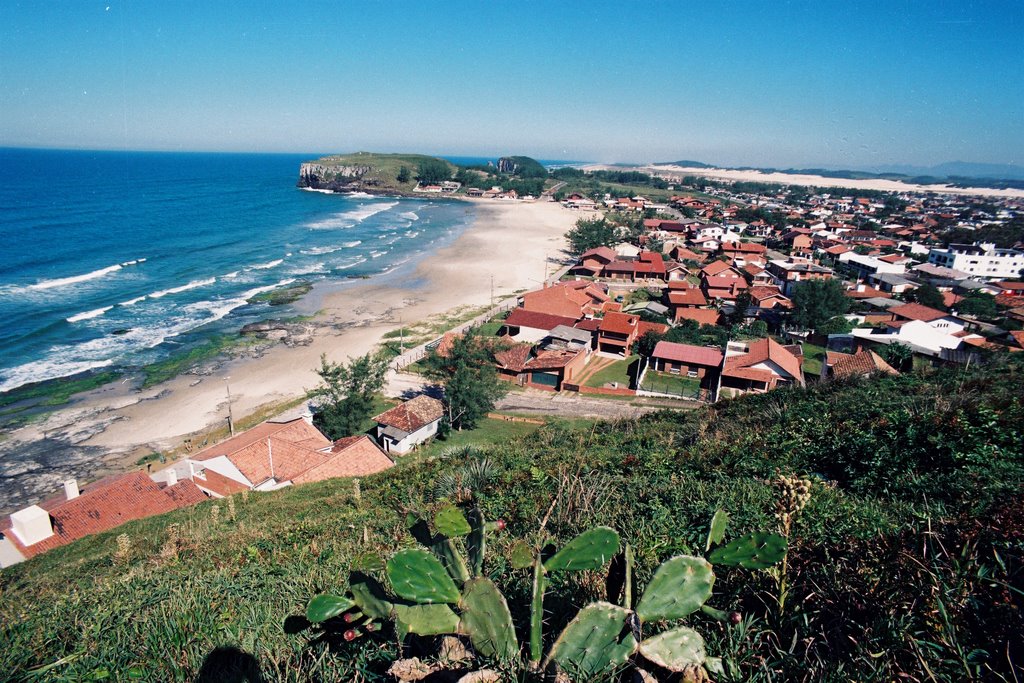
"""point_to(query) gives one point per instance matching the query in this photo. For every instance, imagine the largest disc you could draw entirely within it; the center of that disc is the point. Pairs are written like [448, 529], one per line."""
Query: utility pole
[401, 337]
[231, 417]
[492, 291]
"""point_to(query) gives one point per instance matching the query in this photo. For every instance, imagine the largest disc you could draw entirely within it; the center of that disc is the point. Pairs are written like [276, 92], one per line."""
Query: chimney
[31, 525]
[172, 477]
[71, 489]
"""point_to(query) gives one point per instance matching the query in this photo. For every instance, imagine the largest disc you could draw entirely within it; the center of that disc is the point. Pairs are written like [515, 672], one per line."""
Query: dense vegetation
[905, 564]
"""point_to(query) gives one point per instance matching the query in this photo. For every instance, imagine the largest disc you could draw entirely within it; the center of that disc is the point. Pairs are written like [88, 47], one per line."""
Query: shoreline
[108, 429]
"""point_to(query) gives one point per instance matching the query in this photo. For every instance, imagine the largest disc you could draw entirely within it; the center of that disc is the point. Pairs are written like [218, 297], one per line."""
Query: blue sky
[758, 83]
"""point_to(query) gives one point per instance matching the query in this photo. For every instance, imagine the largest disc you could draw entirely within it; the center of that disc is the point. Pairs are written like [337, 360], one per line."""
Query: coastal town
[712, 291]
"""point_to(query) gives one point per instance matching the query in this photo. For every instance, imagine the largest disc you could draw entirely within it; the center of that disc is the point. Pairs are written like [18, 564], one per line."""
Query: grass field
[621, 372]
[675, 385]
[814, 356]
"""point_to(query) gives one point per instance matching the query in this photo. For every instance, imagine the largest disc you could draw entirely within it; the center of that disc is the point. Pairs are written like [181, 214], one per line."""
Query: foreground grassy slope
[906, 563]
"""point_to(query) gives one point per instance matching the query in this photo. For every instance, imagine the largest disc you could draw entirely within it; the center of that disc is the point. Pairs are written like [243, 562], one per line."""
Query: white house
[409, 424]
[980, 259]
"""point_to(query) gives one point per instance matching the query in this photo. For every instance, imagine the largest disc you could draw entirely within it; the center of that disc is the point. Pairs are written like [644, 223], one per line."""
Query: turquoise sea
[119, 259]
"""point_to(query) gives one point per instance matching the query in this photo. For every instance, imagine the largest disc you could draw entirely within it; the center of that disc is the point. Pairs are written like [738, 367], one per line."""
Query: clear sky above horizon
[739, 83]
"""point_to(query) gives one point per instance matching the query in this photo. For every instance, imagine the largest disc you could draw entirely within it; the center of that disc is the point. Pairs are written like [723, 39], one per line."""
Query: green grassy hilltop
[906, 563]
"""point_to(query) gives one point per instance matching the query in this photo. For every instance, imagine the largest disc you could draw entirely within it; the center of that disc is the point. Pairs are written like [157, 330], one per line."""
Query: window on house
[691, 373]
[673, 369]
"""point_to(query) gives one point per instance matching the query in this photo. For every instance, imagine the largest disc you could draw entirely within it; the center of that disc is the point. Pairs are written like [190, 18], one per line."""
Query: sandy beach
[518, 243]
[816, 180]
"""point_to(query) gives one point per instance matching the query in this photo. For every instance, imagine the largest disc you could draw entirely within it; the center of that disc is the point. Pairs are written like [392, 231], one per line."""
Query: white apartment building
[980, 259]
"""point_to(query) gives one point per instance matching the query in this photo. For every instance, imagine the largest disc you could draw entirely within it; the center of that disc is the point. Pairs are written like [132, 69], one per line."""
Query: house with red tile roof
[532, 326]
[759, 366]
[409, 424]
[697, 362]
[571, 299]
[616, 333]
[593, 261]
[99, 506]
[940, 320]
[540, 368]
[270, 456]
[861, 364]
[724, 288]
[769, 297]
[701, 316]
[720, 269]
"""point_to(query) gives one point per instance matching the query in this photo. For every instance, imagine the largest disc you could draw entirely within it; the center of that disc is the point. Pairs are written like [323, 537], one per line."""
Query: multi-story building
[980, 259]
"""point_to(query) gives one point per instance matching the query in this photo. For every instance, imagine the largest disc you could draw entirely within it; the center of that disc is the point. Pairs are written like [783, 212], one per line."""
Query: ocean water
[118, 259]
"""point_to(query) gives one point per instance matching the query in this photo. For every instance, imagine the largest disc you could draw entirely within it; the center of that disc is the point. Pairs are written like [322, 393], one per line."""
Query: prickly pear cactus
[679, 587]
[590, 550]
[487, 621]
[595, 642]
[417, 575]
[758, 550]
[426, 620]
[450, 521]
[369, 596]
[323, 607]
[675, 649]
[476, 543]
[521, 555]
[444, 549]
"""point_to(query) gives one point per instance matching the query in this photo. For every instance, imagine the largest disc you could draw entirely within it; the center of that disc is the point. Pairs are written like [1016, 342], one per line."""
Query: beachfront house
[275, 454]
[99, 506]
[409, 424]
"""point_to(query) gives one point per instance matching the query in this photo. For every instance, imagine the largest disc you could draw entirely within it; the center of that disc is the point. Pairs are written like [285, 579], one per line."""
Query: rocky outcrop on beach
[337, 177]
[290, 334]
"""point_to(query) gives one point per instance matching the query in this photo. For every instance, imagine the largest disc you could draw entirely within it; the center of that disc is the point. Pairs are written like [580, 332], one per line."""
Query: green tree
[344, 399]
[978, 304]
[433, 171]
[898, 355]
[816, 301]
[645, 344]
[471, 384]
[926, 295]
[739, 311]
[590, 233]
[836, 325]
[403, 175]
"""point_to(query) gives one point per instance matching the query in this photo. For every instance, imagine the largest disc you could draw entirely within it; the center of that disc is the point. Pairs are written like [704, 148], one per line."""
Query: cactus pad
[679, 587]
[450, 521]
[589, 550]
[758, 550]
[716, 532]
[595, 642]
[367, 562]
[444, 549]
[476, 544]
[426, 620]
[417, 575]
[675, 649]
[323, 607]
[521, 555]
[369, 596]
[487, 621]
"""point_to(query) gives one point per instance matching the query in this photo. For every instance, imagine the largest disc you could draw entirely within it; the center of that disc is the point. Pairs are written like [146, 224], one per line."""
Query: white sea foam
[306, 270]
[376, 254]
[346, 219]
[318, 251]
[411, 234]
[266, 266]
[351, 265]
[409, 216]
[232, 274]
[64, 281]
[40, 371]
[88, 315]
[132, 302]
[316, 189]
[195, 284]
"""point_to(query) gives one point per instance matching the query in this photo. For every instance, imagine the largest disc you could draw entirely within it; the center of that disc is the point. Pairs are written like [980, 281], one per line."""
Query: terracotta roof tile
[687, 353]
[618, 323]
[863, 363]
[354, 456]
[702, 316]
[413, 414]
[917, 312]
[763, 350]
[520, 317]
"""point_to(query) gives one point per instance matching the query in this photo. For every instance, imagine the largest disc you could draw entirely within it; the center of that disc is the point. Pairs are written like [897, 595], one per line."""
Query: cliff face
[330, 176]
